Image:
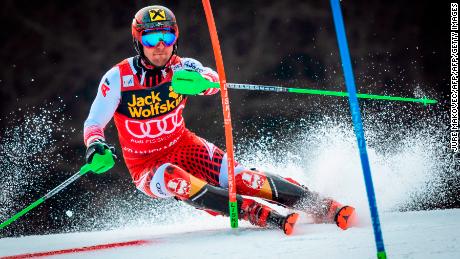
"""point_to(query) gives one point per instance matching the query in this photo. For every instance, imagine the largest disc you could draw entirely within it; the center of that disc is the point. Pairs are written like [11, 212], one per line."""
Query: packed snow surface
[417, 234]
[408, 161]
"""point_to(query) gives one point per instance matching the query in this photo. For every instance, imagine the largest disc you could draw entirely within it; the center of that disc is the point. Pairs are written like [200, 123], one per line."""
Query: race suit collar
[147, 65]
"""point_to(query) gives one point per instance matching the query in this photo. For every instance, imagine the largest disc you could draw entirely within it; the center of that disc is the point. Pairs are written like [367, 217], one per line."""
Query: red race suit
[151, 130]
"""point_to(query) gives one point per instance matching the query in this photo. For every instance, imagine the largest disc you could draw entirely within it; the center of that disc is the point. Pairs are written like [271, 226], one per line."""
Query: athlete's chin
[158, 60]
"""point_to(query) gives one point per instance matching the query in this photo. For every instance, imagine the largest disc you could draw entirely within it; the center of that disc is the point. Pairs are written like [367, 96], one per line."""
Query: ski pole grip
[190, 82]
[99, 164]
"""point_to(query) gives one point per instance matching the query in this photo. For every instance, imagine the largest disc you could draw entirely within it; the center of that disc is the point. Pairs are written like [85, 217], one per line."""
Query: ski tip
[289, 223]
[346, 217]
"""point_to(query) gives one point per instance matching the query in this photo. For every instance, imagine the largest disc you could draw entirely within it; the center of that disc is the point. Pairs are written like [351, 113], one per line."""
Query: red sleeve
[213, 77]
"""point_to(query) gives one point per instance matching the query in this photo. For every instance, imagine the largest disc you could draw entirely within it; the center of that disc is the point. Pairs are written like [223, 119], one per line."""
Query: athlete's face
[159, 54]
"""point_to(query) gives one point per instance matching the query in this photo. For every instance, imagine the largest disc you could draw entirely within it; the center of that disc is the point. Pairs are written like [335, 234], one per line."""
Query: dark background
[57, 51]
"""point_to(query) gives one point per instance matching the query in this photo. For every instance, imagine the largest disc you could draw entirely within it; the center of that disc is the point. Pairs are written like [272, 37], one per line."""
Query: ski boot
[264, 216]
[331, 211]
[291, 194]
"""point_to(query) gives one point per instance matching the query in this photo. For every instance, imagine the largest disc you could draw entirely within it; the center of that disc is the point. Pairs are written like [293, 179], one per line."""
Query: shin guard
[202, 195]
[216, 199]
[271, 187]
[289, 193]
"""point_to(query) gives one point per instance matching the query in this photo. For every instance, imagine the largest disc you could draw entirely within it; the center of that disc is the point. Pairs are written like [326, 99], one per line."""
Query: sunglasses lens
[152, 38]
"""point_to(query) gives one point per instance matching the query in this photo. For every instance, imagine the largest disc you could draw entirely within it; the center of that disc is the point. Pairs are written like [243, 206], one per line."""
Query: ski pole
[190, 82]
[269, 88]
[99, 164]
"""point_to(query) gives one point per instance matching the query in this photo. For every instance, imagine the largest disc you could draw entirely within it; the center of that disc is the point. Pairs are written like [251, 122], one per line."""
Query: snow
[69, 213]
[407, 169]
[416, 234]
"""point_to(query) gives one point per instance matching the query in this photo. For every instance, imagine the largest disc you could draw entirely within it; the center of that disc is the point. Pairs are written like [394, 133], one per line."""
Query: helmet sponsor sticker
[157, 15]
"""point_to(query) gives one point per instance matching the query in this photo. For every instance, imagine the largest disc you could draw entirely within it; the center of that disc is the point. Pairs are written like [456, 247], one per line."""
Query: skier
[164, 158]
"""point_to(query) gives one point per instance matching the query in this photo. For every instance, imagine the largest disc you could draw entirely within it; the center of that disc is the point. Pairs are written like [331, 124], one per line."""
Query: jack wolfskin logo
[151, 105]
[157, 15]
[173, 94]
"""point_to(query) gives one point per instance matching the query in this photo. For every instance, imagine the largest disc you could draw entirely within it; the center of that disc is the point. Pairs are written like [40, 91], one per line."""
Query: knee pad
[175, 181]
[270, 186]
[169, 180]
[253, 183]
[151, 182]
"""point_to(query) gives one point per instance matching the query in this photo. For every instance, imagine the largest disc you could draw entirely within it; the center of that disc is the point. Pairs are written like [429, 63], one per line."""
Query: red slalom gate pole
[226, 110]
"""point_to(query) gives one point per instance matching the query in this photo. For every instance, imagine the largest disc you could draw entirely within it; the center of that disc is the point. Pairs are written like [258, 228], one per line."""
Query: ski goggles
[151, 38]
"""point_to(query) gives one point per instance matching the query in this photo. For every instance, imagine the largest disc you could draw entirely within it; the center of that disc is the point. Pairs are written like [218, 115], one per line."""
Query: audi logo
[156, 127]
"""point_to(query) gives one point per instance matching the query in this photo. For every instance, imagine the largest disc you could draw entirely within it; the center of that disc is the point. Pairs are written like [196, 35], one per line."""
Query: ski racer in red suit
[167, 160]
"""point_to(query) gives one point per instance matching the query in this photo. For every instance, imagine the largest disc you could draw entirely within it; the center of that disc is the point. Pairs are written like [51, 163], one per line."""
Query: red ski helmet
[152, 18]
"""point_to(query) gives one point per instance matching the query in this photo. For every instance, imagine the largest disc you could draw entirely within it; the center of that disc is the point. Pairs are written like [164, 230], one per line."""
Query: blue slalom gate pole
[358, 125]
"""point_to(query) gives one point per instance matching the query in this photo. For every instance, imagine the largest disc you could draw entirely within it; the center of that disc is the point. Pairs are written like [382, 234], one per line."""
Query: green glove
[190, 82]
[98, 158]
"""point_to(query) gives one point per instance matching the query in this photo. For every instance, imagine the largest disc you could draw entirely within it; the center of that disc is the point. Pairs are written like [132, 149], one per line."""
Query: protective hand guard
[100, 148]
[190, 82]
